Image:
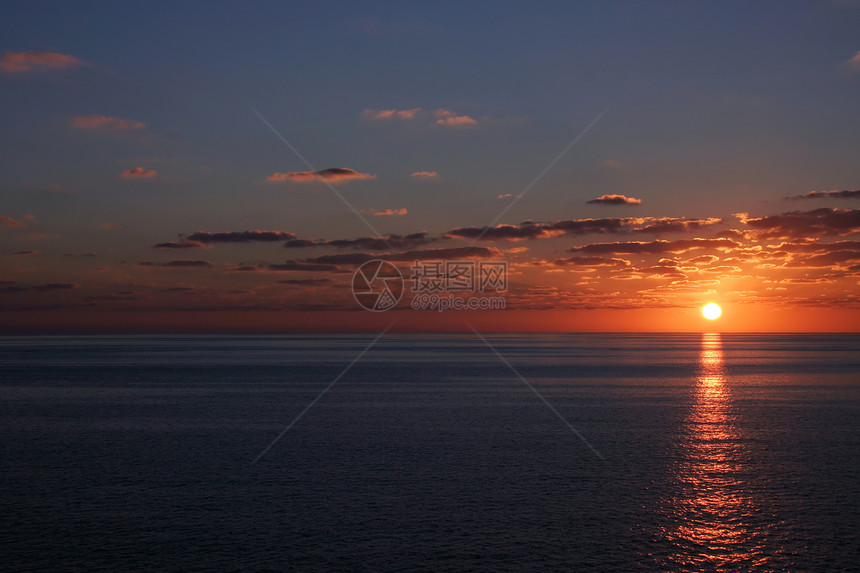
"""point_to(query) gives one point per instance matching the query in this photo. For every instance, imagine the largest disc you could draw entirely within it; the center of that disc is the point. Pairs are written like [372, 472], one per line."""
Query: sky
[221, 167]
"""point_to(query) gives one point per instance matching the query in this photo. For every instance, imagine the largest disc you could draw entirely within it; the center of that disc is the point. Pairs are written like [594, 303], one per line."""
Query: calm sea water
[719, 453]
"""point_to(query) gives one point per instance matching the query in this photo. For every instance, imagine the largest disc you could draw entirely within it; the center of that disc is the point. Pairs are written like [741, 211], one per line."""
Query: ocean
[577, 452]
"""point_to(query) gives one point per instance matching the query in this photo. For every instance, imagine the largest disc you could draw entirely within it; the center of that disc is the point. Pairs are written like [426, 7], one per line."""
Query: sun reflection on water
[711, 513]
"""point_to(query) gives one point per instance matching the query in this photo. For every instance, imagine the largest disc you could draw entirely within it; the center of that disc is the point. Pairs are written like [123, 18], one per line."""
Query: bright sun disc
[711, 311]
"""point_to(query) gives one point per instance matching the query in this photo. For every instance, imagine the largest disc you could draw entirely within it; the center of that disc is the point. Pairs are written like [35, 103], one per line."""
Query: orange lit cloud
[424, 174]
[10, 222]
[616, 200]
[138, 173]
[440, 116]
[383, 114]
[104, 122]
[451, 119]
[332, 175]
[110, 226]
[385, 212]
[24, 62]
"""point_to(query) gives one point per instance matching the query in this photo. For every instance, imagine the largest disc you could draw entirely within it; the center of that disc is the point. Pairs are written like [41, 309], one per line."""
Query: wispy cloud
[103, 122]
[138, 173]
[89, 254]
[25, 62]
[10, 222]
[424, 174]
[853, 63]
[424, 254]
[616, 200]
[305, 282]
[385, 212]
[180, 264]
[302, 267]
[111, 226]
[332, 175]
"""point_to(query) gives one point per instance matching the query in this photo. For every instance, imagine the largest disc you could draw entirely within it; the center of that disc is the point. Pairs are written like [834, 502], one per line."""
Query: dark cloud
[613, 225]
[187, 264]
[183, 244]
[381, 243]
[239, 236]
[332, 175]
[302, 266]
[305, 282]
[367, 243]
[424, 254]
[795, 224]
[654, 247]
[500, 232]
[342, 259]
[14, 288]
[301, 243]
[829, 259]
[828, 195]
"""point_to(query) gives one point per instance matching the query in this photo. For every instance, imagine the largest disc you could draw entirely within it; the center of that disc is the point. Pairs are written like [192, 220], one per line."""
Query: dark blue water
[719, 453]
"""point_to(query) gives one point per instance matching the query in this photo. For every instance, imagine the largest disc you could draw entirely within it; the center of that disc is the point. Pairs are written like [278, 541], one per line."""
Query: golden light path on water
[713, 514]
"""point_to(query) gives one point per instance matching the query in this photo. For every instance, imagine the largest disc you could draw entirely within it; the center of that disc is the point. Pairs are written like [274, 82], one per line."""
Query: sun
[711, 311]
